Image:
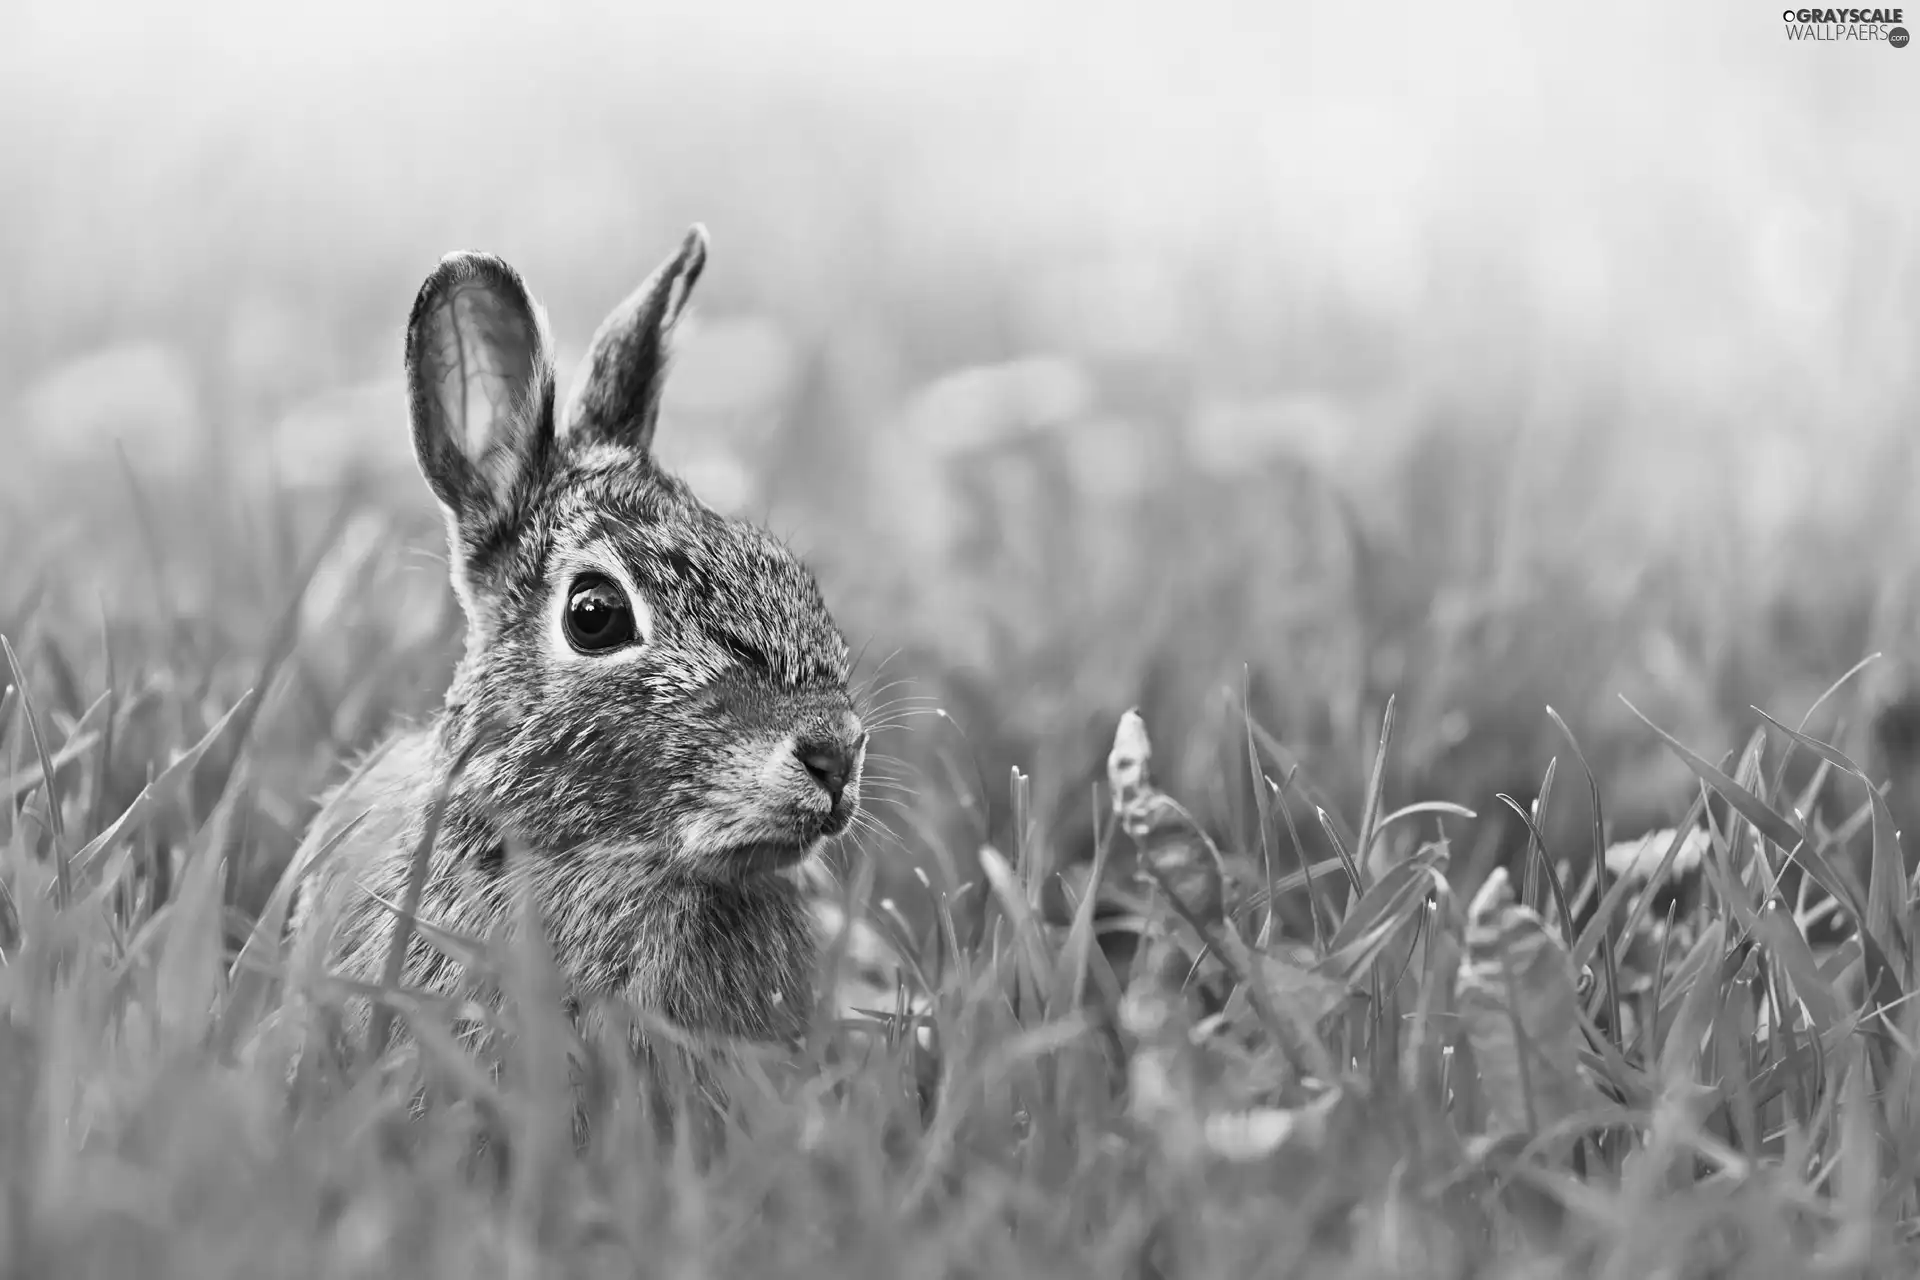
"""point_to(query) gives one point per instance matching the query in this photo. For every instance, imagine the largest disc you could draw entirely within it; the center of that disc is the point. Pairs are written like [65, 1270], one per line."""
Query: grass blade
[1530, 880]
[1780, 769]
[1376, 787]
[141, 810]
[103, 771]
[1303, 878]
[382, 1019]
[1354, 882]
[1070, 976]
[1538, 846]
[27, 781]
[55, 820]
[1782, 939]
[1887, 877]
[1262, 803]
[286, 633]
[1834, 878]
[1608, 903]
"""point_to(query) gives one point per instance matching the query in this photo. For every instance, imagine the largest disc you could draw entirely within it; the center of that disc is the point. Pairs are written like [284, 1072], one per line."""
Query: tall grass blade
[403, 927]
[1303, 878]
[1832, 877]
[1780, 768]
[1696, 989]
[1263, 802]
[190, 975]
[1536, 847]
[1376, 788]
[536, 992]
[1294, 775]
[103, 771]
[1070, 976]
[1886, 916]
[286, 633]
[1037, 963]
[1858, 1166]
[158, 790]
[55, 820]
[1541, 865]
[1603, 916]
[1356, 885]
[1781, 937]
[27, 781]
[1385, 912]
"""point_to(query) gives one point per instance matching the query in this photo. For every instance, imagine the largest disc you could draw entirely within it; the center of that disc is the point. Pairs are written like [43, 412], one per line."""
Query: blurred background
[1204, 357]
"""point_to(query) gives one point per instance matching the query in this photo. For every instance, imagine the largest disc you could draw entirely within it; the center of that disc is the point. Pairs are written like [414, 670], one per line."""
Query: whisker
[881, 666]
[901, 687]
[897, 803]
[899, 711]
[871, 691]
[878, 689]
[879, 833]
[896, 718]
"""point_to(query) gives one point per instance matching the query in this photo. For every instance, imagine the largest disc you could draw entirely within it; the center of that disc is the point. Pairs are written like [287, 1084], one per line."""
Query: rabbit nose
[830, 763]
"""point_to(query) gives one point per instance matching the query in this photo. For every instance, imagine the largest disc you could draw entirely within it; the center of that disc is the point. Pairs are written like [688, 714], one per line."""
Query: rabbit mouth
[784, 851]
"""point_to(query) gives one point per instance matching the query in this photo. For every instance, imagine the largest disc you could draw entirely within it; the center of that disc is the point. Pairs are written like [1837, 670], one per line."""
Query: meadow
[1458, 483]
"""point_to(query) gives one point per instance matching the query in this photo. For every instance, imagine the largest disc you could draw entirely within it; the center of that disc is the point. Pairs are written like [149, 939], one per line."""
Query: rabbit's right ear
[480, 388]
[616, 394]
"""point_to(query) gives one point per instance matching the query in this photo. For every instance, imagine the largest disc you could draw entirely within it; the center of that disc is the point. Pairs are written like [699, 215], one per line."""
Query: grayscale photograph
[1059, 639]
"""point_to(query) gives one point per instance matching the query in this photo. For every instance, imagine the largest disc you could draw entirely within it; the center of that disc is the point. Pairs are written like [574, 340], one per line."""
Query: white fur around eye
[568, 570]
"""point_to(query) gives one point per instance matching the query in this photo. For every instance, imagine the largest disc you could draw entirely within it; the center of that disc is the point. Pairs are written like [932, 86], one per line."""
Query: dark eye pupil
[594, 614]
[598, 616]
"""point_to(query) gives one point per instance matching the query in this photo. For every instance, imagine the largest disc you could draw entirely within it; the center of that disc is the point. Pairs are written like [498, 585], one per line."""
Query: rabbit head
[658, 685]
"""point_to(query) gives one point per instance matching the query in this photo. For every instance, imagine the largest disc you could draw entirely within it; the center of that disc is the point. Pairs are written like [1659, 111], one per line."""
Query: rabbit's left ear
[616, 392]
[480, 388]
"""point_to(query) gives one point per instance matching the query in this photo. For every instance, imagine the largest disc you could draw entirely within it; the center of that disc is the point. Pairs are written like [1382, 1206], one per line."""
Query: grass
[1347, 1056]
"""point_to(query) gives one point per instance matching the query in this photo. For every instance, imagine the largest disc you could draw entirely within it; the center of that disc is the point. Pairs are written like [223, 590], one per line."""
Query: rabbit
[654, 697]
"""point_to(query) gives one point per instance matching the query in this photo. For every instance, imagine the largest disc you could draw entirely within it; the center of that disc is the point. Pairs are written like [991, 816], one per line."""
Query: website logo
[1840, 25]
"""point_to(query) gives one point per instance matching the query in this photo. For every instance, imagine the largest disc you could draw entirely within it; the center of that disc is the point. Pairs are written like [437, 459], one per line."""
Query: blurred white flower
[736, 368]
[142, 396]
[1639, 858]
[344, 570]
[1227, 437]
[274, 344]
[990, 404]
[362, 427]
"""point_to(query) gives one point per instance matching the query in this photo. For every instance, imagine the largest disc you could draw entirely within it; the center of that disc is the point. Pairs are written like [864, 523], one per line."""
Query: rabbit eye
[599, 617]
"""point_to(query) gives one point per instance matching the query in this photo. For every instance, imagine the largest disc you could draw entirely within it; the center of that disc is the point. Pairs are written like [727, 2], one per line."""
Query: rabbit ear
[480, 386]
[616, 393]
